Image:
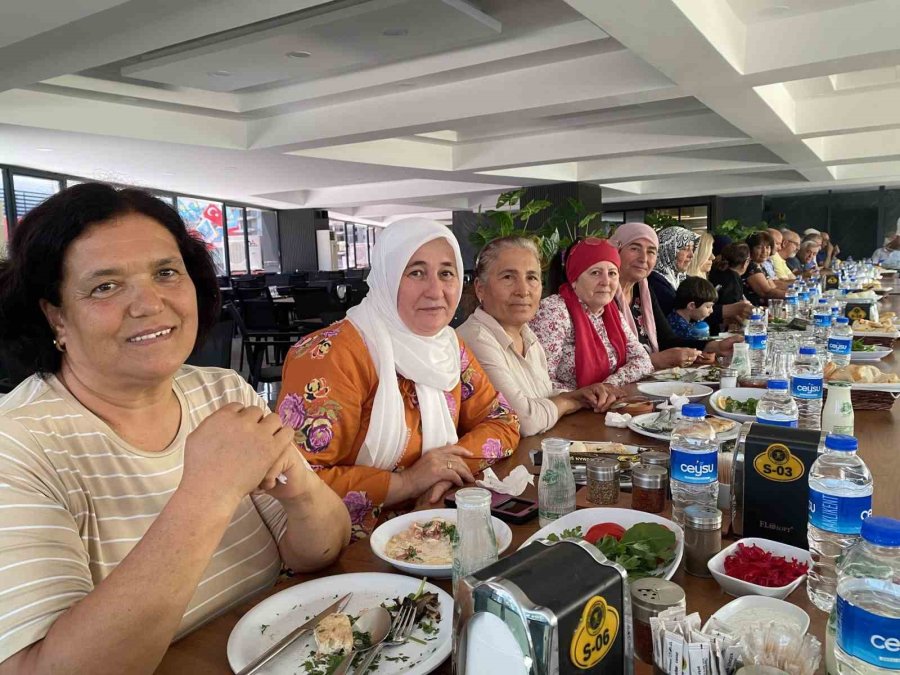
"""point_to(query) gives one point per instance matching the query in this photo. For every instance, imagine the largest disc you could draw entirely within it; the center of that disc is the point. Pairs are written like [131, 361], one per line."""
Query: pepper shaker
[702, 538]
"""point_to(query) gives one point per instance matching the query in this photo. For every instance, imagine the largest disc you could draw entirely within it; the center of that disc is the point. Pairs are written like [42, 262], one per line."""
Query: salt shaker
[702, 538]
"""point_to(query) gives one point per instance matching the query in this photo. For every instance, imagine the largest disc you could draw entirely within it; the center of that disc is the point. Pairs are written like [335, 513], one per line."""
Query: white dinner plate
[874, 334]
[587, 518]
[383, 533]
[877, 354]
[278, 615]
[690, 390]
[739, 394]
[636, 425]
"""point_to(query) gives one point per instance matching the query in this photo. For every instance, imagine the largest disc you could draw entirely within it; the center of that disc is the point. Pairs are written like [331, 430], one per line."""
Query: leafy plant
[659, 221]
[506, 222]
[566, 223]
[736, 230]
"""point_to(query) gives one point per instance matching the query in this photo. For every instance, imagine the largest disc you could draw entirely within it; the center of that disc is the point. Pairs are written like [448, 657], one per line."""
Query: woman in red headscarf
[582, 331]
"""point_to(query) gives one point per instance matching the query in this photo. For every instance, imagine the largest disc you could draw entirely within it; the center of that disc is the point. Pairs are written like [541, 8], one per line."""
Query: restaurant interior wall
[693, 213]
[251, 232]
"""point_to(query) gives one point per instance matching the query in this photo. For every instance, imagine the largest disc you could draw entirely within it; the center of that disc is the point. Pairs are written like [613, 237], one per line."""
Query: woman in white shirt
[508, 286]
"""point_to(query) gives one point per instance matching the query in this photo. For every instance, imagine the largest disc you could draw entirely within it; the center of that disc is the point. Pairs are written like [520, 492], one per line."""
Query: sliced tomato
[600, 530]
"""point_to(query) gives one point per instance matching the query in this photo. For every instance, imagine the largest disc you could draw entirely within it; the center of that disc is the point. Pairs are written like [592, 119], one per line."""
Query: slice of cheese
[333, 634]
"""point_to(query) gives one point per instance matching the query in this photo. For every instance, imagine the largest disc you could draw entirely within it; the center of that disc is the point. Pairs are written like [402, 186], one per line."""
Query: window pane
[362, 246]
[262, 227]
[234, 217]
[340, 245]
[205, 218]
[694, 218]
[31, 191]
[71, 181]
[613, 217]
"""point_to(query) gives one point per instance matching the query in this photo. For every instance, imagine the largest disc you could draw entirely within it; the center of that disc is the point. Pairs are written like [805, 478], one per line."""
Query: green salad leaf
[732, 405]
[860, 346]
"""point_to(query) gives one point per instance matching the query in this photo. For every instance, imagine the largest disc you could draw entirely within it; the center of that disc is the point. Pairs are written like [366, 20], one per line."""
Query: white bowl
[739, 394]
[587, 518]
[383, 533]
[792, 613]
[690, 390]
[738, 588]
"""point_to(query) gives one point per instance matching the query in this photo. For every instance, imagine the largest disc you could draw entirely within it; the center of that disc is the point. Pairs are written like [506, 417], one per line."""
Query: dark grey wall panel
[298, 238]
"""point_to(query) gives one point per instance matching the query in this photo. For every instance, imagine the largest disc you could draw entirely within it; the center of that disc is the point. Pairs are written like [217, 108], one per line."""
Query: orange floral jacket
[328, 387]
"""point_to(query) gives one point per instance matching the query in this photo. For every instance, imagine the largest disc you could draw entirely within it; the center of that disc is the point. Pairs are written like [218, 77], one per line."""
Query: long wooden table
[203, 651]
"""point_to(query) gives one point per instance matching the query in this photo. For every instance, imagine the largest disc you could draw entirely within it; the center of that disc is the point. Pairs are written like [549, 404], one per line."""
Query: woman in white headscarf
[388, 405]
[676, 251]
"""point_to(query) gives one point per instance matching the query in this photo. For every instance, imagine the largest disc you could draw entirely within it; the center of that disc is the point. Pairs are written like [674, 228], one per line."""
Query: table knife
[291, 637]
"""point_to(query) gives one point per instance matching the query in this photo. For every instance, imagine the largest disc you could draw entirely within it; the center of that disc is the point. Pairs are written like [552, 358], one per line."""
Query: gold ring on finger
[449, 464]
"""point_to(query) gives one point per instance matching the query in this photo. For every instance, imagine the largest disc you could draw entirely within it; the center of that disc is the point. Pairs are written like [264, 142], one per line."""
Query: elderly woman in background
[758, 287]
[703, 258]
[389, 406]
[676, 251]
[637, 244]
[508, 286]
[581, 328]
[140, 496]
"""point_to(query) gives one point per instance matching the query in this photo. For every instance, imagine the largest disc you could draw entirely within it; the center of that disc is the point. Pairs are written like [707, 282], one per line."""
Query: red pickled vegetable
[759, 566]
[600, 530]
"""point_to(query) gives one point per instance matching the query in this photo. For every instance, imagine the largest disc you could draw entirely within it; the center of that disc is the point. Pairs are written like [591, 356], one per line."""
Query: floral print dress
[556, 333]
[328, 388]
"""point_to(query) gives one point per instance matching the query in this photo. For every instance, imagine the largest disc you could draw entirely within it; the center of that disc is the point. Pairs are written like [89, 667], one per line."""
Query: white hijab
[433, 363]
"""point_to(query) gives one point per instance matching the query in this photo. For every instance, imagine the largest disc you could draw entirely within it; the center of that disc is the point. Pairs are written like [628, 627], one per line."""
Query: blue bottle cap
[841, 442]
[693, 410]
[807, 350]
[842, 319]
[881, 531]
[756, 317]
[823, 301]
[778, 385]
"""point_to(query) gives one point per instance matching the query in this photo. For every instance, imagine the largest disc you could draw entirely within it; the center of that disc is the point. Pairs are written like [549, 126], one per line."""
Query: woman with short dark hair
[758, 287]
[140, 496]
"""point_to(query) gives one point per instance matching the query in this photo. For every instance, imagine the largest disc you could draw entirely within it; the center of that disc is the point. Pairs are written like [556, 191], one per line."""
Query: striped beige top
[75, 499]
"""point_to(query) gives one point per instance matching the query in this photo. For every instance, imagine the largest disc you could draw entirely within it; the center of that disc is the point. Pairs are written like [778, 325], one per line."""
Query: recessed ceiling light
[219, 73]
[395, 32]
[298, 55]
[44, 149]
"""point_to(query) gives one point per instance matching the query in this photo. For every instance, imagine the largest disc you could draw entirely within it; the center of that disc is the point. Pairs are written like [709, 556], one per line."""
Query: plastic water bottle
[806, 387]
[700, 330]
[556, 485]
[790, 302]
[803, 302]
[840, 498]
[694, 462]
[756, 336]
[776, 407]
[868, 601]
[822, 321]
[840, 342]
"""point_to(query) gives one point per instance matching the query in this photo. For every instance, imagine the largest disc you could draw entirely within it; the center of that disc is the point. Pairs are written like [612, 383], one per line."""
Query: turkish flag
[213, 214]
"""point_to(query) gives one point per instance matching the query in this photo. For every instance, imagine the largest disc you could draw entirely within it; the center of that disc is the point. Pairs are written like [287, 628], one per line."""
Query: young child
[693, 302]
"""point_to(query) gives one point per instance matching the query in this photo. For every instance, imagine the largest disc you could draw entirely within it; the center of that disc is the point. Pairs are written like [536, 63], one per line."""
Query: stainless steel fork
[401, 629]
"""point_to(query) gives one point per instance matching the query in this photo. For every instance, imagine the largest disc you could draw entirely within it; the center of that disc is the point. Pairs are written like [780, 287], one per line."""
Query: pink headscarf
[624, 235]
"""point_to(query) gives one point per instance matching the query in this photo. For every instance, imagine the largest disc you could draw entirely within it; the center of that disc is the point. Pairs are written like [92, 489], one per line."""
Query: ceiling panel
[757, 11]
[22, 19]
[357, 37]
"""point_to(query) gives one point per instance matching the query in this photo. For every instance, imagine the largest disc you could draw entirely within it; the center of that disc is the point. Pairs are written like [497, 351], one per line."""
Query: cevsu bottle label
[840, 345]
[694, 467]
[777, 421]
[757, 341]
[823, 320]
[803, 386]
[867, 636]
[833, 513]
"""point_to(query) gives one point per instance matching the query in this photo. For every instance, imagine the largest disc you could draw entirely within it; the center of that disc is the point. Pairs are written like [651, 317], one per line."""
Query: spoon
[377, 623]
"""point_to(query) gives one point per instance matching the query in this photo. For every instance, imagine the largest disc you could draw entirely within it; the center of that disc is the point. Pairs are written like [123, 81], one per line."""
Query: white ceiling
[461, 100]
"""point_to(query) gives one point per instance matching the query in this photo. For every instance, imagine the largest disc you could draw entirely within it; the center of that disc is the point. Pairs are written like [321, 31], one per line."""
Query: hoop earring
[60, 346]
